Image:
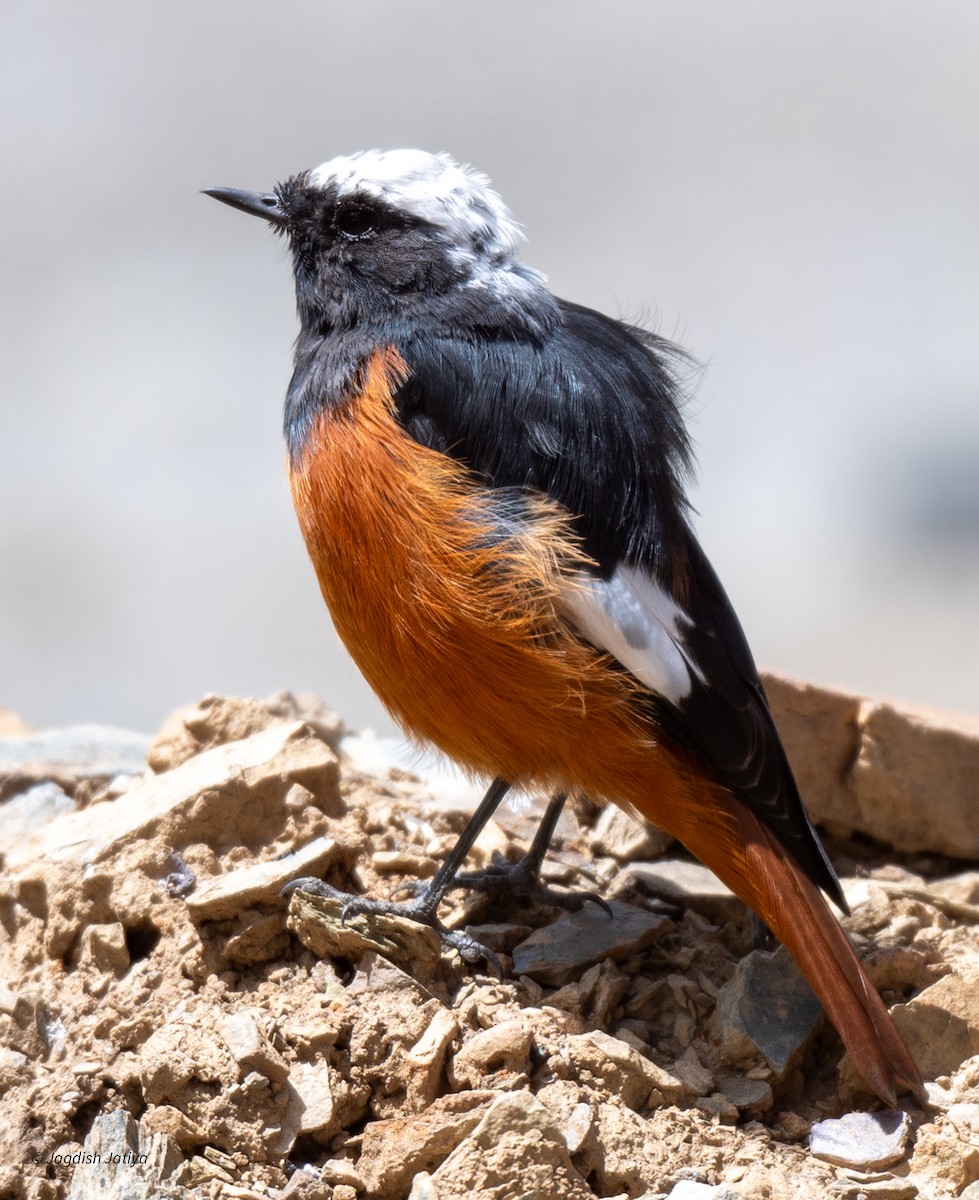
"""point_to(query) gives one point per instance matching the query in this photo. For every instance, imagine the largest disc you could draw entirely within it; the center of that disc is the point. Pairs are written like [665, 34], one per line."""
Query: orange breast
[453, 624]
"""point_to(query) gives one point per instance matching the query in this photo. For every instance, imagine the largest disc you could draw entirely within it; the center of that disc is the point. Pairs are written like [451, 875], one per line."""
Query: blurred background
[790, 191]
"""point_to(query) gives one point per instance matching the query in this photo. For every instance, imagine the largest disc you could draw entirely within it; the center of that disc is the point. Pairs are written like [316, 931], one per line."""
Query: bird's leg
[424, 907]
[522, 879]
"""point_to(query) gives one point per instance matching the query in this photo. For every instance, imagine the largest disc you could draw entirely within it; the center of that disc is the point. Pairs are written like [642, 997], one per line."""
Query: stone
[752, 1097]
[941, 1024]
[122, 1162]
[233, 793]
[249, 1046]
[104, 947]
[261, 883]
[311, 1083]
[767, 1008]
[943, 1156]
[560, 952]
[866, 1141]
[426, 1058]
[600, 1061]
[691, 1189]
[690, 885]
[319, 924]
[501, 1047]
[69, 755]
[621, 836]
[517, 1149]
[696, 1079]
[400, 1148]
[25, 814]
[905, 775]
[217, 720]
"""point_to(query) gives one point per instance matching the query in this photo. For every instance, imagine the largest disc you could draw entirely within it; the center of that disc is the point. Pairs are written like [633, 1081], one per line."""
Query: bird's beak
[258, 204]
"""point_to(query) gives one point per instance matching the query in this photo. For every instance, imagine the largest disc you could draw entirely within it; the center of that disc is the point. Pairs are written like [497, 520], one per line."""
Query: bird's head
[400, 235]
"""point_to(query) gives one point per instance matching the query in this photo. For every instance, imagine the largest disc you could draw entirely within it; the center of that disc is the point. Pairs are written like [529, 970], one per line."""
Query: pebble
[560, 952]
[865, 1141]
[767, 1008]
[690, 885]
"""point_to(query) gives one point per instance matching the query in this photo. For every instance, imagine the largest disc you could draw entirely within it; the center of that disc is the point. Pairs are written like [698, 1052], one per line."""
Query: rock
[503, 1047]
[718, 1108]
[261, 883]
[691, 1189]
[12, 1064]
[69, 755]
[943, 1156]
[902, 774]
[217, 720]
[690, 885]
[622, 837]
[232, 794]
[121, 1162]
[516, 1149]
[752, 1097]
[426, 1058]
[941, 1024]
[865, 1141]
[396, 1150]
[104, 946]
[310, 1082]
[319, 924]
[25, 814]
[250, 1047]
[767, 1008]
[599, 1061]
[578, 1127]
[560, 952]
[696, 1079]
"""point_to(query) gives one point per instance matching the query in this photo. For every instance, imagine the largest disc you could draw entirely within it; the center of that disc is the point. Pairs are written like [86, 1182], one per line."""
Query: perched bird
[490, 483]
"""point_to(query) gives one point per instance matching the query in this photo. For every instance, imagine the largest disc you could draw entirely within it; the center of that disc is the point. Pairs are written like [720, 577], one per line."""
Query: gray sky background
[790, 190]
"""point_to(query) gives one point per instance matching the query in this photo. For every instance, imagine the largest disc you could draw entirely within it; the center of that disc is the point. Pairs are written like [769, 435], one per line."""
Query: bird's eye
[355, 222]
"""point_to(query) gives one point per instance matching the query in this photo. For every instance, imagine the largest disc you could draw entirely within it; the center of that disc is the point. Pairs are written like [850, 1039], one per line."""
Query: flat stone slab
[690, 885]
[560, 952]
[862, 1140]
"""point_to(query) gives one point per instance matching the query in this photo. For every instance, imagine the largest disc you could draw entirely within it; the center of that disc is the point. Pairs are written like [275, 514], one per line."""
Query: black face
[355, 257]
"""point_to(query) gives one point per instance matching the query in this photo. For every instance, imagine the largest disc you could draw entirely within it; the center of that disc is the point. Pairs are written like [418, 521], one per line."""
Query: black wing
[591, 417]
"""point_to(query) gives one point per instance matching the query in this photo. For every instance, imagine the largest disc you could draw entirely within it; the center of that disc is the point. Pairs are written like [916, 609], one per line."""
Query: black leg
[522, 879]
[424, 907]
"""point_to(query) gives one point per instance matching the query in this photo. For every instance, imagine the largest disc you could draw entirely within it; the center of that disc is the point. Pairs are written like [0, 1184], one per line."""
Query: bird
[492, 486]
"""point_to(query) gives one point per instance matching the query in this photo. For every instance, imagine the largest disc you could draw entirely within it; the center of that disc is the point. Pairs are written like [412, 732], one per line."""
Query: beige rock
[319, 924]
[311, 1083]
[426, 1058]
[397, 1149]
[941, 1024]
[104, 946]
[902, 774]
[216, 720]
[622, 837]
[230, 795]
[942, 1154]
[502, 1047]
[225, 895]
[601, 1062]
[517, 1149]
[250, 1047]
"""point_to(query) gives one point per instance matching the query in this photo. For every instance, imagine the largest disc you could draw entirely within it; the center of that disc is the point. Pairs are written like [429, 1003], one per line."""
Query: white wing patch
[638, 623]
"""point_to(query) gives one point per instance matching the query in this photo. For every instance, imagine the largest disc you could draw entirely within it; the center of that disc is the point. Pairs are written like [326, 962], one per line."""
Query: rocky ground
[171, 1026]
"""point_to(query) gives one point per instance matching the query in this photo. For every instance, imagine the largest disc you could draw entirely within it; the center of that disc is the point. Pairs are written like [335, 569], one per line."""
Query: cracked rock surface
[171, 1025]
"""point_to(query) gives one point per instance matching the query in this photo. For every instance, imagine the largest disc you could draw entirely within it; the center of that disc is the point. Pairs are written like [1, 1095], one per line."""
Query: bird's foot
[520, 881]
[422, 909]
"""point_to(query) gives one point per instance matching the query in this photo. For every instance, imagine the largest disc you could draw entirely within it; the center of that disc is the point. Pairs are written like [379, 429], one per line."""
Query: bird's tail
[726, 835]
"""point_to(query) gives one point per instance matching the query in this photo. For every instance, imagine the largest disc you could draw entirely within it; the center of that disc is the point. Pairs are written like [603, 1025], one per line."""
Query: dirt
[150, 966]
